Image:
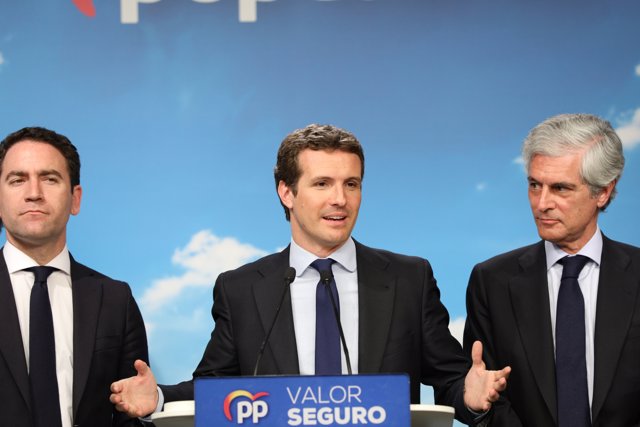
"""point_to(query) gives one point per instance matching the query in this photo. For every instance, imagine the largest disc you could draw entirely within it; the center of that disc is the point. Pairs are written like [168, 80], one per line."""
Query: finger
[122, 407]
[476, 353]
[141, 367]
[503, 373]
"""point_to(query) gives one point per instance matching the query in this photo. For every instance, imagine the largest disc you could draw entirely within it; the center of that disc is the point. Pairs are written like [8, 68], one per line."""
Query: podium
[346, 400]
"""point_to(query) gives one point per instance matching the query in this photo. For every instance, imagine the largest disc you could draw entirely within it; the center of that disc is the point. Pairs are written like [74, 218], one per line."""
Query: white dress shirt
[59, 286]
[588, 281]
[303, 302]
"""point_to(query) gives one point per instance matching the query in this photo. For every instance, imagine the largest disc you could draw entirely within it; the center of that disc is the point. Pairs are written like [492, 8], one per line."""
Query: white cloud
[481, 186]
[630, 132]
[203, 258]
[638, 70]
[1, 59]
[456, 327]
[518, 160]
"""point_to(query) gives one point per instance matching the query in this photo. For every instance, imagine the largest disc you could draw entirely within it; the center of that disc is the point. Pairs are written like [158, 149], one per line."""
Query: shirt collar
[345, 255]
[592, 250]
[17, 260]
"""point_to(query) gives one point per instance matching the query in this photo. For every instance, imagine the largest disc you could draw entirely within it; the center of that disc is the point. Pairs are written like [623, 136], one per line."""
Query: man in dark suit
[95, 331]
[519, 304]
[389, 304]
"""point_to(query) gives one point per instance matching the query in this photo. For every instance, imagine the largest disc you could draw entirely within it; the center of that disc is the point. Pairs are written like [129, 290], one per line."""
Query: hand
[136, 396]
[483, 387]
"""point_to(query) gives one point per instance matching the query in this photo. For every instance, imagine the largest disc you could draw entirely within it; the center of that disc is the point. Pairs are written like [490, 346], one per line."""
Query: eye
[353, 184]
[16, 181]
[533, 185]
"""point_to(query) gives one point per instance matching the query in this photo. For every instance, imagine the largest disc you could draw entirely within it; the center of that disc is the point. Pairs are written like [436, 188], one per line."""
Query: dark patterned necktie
[328, 361]
[571, 365]
[42, 353]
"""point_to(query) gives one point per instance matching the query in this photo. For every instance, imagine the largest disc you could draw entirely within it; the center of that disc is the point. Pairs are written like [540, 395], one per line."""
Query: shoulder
[80, 272]
[512, 258]
[271, 264]
[624, 247]
[621, 254]
[388, 260]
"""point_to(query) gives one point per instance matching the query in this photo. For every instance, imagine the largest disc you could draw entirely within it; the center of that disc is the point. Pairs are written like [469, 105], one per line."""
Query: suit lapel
[11, 345]
[530, 298]
[268, 291]
[617, 289]
[87, 298]
[376, 290]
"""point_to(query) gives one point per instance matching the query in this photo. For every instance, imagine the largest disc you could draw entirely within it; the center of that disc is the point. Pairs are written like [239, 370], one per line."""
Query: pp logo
[247, 406]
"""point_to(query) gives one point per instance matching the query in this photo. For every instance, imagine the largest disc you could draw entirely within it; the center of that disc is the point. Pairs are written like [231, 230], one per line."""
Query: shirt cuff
[147, 419]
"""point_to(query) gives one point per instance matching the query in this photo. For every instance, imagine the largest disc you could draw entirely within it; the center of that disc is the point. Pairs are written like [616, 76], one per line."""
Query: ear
[286, 194]
[76, 198]
[605, 194]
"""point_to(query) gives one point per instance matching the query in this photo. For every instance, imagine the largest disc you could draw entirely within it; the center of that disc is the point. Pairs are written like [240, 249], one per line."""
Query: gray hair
[566, 133]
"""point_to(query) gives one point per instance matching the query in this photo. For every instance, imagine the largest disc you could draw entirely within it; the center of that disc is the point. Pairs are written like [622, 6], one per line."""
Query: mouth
[547, 221]
[33, 212]
[335, 218]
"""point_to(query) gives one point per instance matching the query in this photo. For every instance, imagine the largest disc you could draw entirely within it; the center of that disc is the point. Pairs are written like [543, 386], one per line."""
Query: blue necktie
[328, 360]
[42, 353]
[571, 365]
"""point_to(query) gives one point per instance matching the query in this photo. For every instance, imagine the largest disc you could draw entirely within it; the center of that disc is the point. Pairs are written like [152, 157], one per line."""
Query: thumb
[142, 368]
[476, 354]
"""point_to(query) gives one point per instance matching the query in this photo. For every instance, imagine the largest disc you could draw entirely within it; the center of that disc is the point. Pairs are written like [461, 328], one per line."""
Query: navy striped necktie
[571, 364]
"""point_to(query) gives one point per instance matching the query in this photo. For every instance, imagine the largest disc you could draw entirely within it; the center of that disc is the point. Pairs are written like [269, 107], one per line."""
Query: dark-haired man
[66, 331]
[389, 304]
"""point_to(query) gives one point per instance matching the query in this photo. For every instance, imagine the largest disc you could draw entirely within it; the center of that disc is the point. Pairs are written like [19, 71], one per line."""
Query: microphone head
[290, 274]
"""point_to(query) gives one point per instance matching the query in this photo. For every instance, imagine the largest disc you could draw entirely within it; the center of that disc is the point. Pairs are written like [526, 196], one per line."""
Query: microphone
[325, 277]
[289, 277]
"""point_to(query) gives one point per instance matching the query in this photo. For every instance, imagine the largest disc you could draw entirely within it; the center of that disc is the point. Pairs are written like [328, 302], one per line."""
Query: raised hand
[481, 386]
[136, 396]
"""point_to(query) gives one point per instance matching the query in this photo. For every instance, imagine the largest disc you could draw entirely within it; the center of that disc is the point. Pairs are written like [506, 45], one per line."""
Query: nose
[545, 200]
[33, 190]
[338, 197]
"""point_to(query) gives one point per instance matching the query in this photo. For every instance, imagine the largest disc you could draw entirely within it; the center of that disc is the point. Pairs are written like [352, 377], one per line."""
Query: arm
[478, 327]
[137, 395]
[133, 359]
[446, 367]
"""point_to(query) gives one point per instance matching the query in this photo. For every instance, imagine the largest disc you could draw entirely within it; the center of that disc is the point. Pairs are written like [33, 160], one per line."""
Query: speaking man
[389, 304]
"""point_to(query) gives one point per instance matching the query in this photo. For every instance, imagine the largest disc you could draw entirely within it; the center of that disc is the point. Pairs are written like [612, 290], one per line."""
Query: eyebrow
[44, 172]
[554, 184]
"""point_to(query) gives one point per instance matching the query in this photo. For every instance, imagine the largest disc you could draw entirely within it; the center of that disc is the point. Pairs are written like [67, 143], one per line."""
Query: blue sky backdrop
[178, 118]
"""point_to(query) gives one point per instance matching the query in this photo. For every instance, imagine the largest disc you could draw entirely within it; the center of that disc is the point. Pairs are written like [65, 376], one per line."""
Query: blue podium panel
[280, 401]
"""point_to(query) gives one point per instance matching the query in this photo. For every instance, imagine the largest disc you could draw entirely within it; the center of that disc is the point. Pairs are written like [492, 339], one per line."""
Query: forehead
[29, 154]
[320, 162]
[556, 168]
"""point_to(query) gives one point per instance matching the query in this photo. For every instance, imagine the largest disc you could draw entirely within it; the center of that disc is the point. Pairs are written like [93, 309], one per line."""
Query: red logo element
[239, 393]
[86, 7]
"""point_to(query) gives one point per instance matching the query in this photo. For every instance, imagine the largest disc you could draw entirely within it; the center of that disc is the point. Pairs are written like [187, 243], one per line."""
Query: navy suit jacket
[108, 336]
[508, 310]
[403, 326]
